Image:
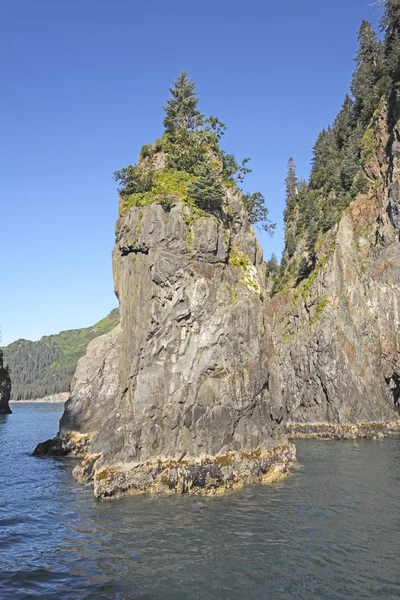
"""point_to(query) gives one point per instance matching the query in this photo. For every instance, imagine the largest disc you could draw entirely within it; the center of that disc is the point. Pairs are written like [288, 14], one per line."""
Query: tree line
[341, 151]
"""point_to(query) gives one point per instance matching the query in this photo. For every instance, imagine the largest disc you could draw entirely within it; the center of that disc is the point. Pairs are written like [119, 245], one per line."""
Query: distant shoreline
[53, 399]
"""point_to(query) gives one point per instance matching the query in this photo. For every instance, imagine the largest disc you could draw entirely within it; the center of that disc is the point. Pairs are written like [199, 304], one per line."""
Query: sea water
[329, 530]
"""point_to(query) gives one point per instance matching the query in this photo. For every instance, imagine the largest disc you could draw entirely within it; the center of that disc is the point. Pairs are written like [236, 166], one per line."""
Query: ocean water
[329, 530]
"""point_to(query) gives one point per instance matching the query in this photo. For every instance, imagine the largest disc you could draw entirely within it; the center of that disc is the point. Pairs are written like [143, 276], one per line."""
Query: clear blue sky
[84, 82]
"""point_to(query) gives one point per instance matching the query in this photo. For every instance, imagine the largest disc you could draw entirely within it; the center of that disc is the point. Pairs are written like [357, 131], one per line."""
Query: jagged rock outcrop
[177, 397]
[336, 351]
[5, 388]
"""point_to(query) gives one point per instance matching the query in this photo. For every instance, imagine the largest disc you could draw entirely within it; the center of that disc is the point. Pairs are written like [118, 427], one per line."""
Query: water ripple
[329, 531]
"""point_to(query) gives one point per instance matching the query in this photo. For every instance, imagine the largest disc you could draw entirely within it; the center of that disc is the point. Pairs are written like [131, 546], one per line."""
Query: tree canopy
[342, 150]
[196, 169]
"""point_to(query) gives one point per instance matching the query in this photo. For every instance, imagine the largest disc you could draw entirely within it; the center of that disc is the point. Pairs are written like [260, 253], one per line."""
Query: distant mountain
[46, 367]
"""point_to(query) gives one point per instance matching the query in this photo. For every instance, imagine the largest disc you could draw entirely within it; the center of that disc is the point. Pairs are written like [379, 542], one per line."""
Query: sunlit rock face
[336, 354]
[177, 396]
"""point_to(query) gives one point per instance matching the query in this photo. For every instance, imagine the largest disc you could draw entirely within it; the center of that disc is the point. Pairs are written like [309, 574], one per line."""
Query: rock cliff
[5, 388]
[198, 386]
[336, 351]
[177, 397]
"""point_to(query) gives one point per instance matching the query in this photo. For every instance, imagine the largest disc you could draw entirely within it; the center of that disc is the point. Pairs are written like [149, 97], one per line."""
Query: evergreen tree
[271, 266]
[291, 187]
[368, 72]
[181, 112]
[323, 151]
[207, 190]
[291, 181]
[343, 124]
[391, 26]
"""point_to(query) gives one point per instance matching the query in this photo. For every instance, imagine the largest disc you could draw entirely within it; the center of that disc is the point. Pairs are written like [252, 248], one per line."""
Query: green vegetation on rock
[342, 152]
[46, 367]
[187, 164]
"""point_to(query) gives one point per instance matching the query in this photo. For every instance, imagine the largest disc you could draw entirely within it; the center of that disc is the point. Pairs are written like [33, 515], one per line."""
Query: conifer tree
[368, 70]
[181, 112]
[207, 190]
[391, 26]
[291, 188]
[343, 124]
[291, 182]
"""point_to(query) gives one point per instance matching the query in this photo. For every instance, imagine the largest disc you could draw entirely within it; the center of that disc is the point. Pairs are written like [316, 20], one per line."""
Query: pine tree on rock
[291, 181]
[291, 186]
[391, 26]
[368, 71]
[344, 123]
[181, 112]
[207, 190]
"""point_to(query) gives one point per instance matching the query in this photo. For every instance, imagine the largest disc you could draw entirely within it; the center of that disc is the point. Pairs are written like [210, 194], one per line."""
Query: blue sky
[84, 82]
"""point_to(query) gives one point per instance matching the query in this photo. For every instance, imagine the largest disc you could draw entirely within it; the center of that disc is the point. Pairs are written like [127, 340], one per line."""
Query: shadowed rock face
[184, 378]
[5, 388]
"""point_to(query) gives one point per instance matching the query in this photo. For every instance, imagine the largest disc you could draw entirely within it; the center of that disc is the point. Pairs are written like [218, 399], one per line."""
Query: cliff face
[5, 388]
[336, 351]
[178, 397]
[193, 390]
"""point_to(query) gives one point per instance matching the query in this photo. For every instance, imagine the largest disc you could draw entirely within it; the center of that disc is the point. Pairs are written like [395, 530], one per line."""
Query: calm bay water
[329, 530]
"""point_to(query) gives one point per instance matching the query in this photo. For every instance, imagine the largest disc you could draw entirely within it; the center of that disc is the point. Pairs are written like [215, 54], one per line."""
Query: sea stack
[177, 397]
[5, 388]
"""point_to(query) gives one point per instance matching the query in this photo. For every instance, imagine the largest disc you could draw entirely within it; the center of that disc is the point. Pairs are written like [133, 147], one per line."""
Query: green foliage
[46, 367]
[271, 266]
[291, 244]
[168, 185]
[368, 144]
[215, 126]
[207, 190]
[188, 151]
[304, 269]
[146, 151]
[369, 69]
[390, 25]
[343, 150]
[291, 181]
[237, 258]
[257, 211]
[320, 306]
[181, 112]
[232, 171]
[190, 145]
[134, 180]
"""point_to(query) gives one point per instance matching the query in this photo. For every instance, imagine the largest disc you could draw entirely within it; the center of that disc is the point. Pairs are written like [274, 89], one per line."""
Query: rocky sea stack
[219, 356]
[5, 388]
[177, 397]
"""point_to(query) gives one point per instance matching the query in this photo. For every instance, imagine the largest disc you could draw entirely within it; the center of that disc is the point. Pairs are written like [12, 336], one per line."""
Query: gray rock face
[192, 391]
[335, 357]
[94, 386]
[5, 388]
[185, 375]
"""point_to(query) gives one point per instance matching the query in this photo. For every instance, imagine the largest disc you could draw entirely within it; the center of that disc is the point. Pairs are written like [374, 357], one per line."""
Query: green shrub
[207, 190]
[134, 180]
[146, 151]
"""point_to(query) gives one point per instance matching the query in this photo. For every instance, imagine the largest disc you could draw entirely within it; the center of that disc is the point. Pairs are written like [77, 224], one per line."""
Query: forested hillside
[46, 367]
[341, 154]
